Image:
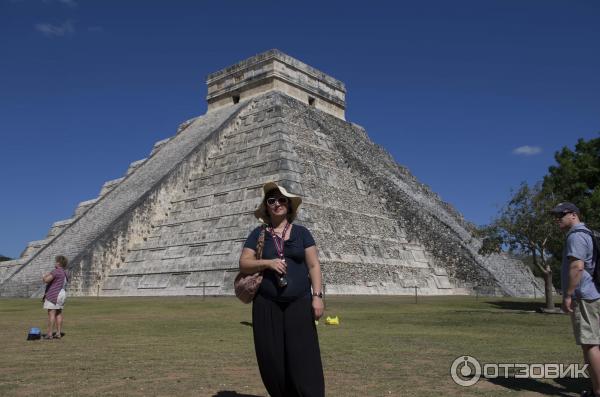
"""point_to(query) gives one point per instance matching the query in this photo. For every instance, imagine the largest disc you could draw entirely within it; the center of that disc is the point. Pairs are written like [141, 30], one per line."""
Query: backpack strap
[589, 233]
[595, 249]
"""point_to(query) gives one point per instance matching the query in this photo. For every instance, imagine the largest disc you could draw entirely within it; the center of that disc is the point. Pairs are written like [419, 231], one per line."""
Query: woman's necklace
[281, 231]
[279, 246]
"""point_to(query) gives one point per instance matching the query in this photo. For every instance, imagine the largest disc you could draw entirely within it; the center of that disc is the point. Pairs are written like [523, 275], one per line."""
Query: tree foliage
[525, 228]
[4, 258]
[576, 178]
[524, 225]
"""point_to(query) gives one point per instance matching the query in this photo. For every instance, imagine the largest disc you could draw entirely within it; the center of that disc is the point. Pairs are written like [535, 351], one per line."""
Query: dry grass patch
[184, 346]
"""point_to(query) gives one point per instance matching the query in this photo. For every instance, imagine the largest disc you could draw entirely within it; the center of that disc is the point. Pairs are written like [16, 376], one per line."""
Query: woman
[54, 298]
[284, 309]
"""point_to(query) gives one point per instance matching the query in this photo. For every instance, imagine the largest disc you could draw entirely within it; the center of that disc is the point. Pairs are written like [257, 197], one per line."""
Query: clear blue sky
[451, 88]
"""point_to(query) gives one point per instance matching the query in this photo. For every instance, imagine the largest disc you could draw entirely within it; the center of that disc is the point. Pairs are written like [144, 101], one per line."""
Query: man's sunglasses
[271, 201]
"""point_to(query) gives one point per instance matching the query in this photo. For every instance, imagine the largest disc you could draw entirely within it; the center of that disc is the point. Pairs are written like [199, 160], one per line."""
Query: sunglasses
[272, 201]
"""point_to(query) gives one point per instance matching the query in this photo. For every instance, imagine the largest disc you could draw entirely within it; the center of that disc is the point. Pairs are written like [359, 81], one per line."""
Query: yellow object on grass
[332, 320]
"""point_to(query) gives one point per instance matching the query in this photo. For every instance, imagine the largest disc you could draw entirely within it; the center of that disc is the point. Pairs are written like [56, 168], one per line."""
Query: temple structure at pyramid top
[275, 71]
[175, 222]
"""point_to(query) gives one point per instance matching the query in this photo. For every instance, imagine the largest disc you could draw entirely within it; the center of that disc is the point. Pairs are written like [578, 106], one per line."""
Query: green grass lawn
[184, 346]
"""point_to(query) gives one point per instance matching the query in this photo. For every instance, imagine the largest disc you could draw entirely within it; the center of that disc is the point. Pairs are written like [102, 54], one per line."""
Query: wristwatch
[318, 294]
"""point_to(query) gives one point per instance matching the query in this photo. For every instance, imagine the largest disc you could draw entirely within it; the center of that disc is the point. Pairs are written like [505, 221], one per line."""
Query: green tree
[576, 178]
[524, 227]
[4, 258]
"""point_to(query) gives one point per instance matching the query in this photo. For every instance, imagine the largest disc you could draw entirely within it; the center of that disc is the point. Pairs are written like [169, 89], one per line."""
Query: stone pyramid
[176, 222]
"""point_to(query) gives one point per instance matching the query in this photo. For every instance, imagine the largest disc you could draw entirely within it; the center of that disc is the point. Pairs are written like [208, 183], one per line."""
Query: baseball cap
[564, 208]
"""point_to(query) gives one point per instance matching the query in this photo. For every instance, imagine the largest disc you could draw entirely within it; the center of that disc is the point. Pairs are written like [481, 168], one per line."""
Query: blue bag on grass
[34, 334]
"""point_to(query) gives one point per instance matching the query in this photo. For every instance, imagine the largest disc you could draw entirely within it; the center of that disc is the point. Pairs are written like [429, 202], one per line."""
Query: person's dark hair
[62, 261]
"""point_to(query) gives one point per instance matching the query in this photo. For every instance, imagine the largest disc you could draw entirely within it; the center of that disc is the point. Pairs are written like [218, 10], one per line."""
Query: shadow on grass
[521, 306]
[246, 323]
[228, 393]
[559, 387]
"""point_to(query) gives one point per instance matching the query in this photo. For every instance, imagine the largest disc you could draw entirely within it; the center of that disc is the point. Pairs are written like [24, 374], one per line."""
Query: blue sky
[452, 89]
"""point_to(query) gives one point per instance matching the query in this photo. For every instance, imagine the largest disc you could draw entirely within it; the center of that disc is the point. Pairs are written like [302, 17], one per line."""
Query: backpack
[34, 334]
[595, 235]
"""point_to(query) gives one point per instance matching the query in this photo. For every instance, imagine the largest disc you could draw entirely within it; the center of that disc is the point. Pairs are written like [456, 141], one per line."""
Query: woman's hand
[278, 265]
[48, 277]
[318, 307]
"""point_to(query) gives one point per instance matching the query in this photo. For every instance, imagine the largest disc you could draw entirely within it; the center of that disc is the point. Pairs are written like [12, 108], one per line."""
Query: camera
[282, 280]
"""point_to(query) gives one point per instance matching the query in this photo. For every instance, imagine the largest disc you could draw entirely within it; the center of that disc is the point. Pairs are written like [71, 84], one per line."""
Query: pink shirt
[59, 281]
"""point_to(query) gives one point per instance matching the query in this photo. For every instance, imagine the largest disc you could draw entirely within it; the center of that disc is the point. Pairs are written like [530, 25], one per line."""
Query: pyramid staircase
[176, 222]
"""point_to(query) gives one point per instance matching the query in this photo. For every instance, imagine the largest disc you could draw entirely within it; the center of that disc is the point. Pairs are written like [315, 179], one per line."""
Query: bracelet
[318, 294]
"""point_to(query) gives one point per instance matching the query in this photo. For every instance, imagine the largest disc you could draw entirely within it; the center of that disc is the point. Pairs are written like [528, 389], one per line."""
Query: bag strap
[589, 233]
[260, 243]
[65, 280]
[595, 247]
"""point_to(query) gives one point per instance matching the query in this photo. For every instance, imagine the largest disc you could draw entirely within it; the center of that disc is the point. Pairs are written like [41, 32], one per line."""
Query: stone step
[110, 185]
[118, 199]
[134, 166]
[84, 206]
[158, 145]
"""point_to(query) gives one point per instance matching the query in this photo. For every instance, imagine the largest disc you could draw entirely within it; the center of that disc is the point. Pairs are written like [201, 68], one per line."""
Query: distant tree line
[4, 258]
[524, 226]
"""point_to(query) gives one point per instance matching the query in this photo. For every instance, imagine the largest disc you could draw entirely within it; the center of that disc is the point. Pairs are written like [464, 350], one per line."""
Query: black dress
[285, 336]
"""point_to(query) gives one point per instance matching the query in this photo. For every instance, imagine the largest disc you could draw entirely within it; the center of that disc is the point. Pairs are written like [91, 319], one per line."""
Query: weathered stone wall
[195, 248]
[420, 213]
[7, 268]
[102, 215]
[175, 223]
[274, 70]
[362, 247]
[379, 231]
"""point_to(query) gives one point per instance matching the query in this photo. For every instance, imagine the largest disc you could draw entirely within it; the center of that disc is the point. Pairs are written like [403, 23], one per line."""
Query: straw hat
[261, 212]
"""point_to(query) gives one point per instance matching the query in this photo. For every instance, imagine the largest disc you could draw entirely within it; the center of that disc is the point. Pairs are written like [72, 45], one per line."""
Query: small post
[98, 291]
[477, 292]
[534, 292]
[416, 301]
[203, 290]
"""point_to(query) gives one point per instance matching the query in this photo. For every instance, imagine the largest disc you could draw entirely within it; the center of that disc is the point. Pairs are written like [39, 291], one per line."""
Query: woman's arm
[316, 279]
[249, 264]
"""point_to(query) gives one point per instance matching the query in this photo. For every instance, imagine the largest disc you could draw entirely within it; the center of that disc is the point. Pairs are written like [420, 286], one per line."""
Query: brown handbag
[246, 285]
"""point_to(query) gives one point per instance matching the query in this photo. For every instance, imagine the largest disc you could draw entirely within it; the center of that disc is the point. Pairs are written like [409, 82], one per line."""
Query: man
[581, 298]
